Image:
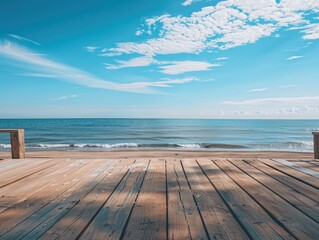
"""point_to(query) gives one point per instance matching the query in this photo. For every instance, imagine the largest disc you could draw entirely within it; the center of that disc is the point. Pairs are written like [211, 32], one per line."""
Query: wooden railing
[17, 142]
[316, 144]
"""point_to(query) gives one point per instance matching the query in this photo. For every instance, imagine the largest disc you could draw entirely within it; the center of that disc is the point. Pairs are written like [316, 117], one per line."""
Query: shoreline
[109, 154]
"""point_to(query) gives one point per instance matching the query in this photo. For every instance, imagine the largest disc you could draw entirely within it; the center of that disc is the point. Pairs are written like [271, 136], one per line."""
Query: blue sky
[159, 58]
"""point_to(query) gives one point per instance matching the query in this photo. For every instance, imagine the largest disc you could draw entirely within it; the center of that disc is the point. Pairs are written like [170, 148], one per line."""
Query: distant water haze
[118, 134]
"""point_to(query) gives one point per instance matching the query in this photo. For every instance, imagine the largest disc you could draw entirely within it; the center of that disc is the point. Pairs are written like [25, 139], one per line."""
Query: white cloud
[287, 86]
[299, 100]
[228, 24]
[138, 32]
[187, 2]
[167, 82]
[178, 67]
[91, 49]
[167, 67]
[311, 32]
[43, 67]
[66, 97]
[258, 90]
[134, 62]
[23, 38]
[294, 57]
[221, 58]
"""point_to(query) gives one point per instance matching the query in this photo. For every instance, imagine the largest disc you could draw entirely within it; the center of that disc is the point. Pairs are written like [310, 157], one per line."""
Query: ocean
[112, 134]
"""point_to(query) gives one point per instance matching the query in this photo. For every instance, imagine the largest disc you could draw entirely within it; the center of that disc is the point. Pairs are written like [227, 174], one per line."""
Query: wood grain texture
[114, 196]
[303, 177]
[295, 222]
[111, 219]
[182, 206]
[218, 219]
[148, 218]
[297, 199]
[257, 223]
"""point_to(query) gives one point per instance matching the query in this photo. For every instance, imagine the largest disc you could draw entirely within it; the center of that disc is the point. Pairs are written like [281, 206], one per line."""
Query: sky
[236, 59]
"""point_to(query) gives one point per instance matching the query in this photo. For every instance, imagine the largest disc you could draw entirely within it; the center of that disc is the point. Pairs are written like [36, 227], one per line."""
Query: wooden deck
[159, 198]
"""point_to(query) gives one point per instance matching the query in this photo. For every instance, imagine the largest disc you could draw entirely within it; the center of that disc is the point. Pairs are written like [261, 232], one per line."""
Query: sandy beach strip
[163, 154]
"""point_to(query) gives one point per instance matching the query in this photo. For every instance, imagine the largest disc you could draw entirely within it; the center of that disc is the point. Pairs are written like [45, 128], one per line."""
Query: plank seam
[305, 182]
[315, 200]
[296, 207]
[138, 193]
[16, 180]
[97, 212]
[227, 205]
[265, 209]
[200, 214]
[180, 197]
[166, 188]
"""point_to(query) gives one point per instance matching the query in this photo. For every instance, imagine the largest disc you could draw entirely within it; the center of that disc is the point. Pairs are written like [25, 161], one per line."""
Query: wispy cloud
[187, 2]
[167, 82]
[178, 67]
[167, 67]
[40, 66]
[294, 57]
[307, 99]
[287, 86]
[91, 49]
[226, 25]
[221, 58]
[65, 97]
[258, 90]
[23, 39]
[311, 32]
[134, 62]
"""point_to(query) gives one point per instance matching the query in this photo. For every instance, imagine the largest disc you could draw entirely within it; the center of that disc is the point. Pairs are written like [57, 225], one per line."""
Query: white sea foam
[189, 145]
[5, 145]
[82, 145]
[42, 145]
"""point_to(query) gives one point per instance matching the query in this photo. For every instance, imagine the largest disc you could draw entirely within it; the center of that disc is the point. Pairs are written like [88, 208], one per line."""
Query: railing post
[17, 144]
[316, 144]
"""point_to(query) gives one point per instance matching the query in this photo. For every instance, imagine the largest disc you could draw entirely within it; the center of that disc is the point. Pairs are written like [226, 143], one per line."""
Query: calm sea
[110, 134]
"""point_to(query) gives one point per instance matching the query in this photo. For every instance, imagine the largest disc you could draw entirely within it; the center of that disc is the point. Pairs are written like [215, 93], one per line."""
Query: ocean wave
[5, 146]
[289, 145]
[83, 145]
[189, 145]
[136, 145]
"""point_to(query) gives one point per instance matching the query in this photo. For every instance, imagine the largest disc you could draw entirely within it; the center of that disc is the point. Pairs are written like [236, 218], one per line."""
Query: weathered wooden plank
[112, 218]
[74, 223]
[310, 180]
[298, 200]
[178, 227]
[307, 165]
[41, 199]
[11, 164]
[24, 171]
[184, 220]
[20, 190]
[148, 218]
[46, 217]
[298, 168]
[300, 187]
[295, 222]
[253, 218]
[219, 221]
